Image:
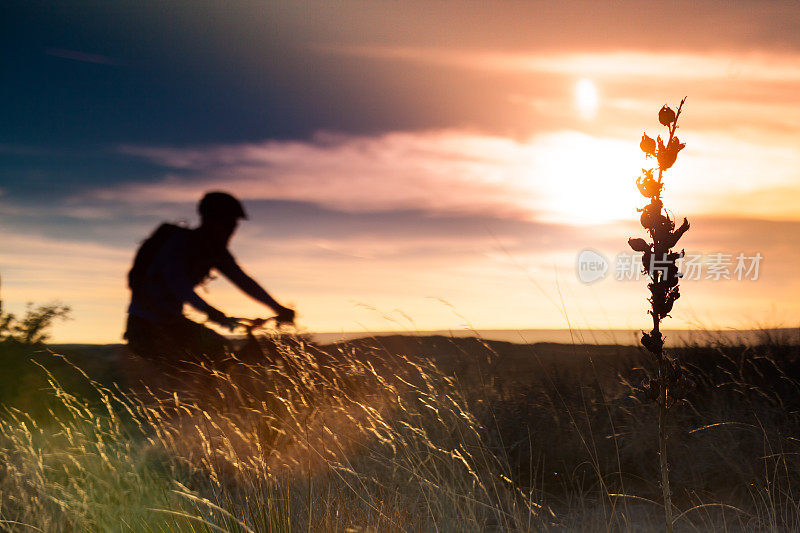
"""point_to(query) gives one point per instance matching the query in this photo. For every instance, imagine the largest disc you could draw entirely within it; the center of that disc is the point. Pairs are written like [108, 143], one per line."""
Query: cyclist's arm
[231, 270]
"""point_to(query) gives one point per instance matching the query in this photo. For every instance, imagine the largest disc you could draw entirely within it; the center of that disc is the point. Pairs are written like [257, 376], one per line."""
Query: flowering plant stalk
[659, 262]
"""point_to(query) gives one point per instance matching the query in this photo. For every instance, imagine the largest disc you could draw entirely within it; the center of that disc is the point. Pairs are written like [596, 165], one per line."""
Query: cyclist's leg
[154, 356]
[200, 343]
[150, 340]
[175, 341]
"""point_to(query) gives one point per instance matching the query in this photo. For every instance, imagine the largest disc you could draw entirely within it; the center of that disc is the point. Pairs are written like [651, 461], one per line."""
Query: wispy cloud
[551, 176]
[509, 277]
[751, 66]
[433, 170]
[83, 57]
[564, 175]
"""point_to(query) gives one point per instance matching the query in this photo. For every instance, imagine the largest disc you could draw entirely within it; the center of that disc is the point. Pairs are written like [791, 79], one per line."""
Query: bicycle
[290, 354]
[261, 348]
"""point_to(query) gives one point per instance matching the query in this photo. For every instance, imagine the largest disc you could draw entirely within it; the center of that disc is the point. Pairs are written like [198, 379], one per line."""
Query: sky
[405, 165]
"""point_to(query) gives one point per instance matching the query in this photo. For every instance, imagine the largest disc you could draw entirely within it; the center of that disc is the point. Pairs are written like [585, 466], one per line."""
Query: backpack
[147, 253]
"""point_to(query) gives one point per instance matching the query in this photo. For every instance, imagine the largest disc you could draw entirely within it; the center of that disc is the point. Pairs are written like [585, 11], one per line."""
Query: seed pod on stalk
[648, 145]
[659, 262]
[666, 115]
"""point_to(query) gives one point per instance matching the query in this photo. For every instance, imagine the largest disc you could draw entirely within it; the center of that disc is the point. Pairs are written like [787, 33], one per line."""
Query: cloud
[498, 273]
[436, 170]
[551, 176]
[750, 66]
[76, 55]
[498, 270]
[563, 176]
[530, 91]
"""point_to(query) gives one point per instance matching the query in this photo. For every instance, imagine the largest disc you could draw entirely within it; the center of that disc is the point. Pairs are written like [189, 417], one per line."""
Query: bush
[33, 328]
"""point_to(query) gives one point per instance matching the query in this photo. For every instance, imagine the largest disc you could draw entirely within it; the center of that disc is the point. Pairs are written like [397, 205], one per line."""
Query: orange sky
[473, 178]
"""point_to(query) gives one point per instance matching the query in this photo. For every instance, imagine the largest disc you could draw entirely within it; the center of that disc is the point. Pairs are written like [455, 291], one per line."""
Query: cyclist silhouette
[168, 266]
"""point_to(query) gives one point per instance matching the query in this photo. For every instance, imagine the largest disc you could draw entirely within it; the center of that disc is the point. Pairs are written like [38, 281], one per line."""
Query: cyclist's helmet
[220, 205]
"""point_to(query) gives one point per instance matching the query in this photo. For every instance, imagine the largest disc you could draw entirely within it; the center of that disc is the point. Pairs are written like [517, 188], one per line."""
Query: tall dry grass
[480, 436]
[325, 442]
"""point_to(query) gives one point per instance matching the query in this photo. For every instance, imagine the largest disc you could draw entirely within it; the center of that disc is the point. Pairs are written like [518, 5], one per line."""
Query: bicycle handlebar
[255, 323]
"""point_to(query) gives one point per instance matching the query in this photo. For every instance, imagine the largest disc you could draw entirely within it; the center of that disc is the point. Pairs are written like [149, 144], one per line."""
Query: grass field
[398, 434]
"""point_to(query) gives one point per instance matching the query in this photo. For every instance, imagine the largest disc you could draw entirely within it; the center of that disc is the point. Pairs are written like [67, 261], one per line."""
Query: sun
[587, 180]
[586, 98]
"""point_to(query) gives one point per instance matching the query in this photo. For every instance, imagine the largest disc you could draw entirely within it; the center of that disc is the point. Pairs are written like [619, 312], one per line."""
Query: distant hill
[625, 337]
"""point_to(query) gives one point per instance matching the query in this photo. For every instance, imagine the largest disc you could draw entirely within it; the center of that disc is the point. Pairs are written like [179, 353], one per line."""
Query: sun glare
[589, 179]
[586, 98]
